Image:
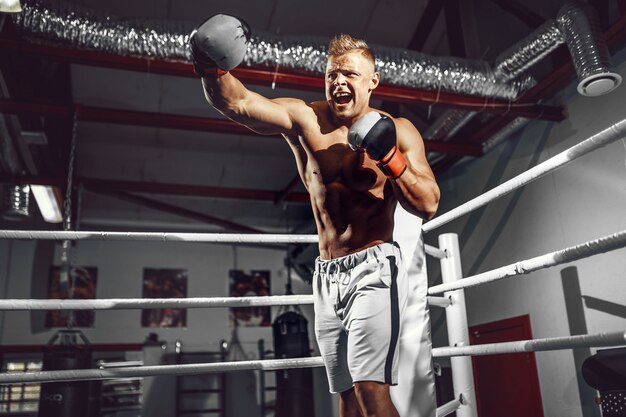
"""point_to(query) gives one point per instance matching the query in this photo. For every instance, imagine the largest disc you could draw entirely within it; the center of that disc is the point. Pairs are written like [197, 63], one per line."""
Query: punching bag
[65, 399]
[294, 387]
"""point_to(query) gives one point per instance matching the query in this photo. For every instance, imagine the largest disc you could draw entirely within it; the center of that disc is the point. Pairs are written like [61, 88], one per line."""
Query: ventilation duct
[163, 39]
[504, 133]
[581, 29]
[576, 24]
[510, 64]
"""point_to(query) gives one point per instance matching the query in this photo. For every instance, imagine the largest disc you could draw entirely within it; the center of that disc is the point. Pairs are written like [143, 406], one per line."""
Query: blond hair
[342, 44]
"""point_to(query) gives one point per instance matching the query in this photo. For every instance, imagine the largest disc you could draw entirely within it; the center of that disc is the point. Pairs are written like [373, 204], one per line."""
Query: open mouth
[342, 97]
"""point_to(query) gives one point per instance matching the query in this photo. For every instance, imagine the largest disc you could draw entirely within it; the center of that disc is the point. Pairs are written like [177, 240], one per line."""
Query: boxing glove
[218, 45]
[375, 134]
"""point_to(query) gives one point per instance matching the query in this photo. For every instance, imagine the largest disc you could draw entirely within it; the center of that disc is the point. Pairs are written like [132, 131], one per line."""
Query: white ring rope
[137, 303]
[536, 345]
[157, 236]
[157, 370]
[608, 135]
[448, 408]
[174, 237]
[573, 253]
[597, 340]
[197, 302]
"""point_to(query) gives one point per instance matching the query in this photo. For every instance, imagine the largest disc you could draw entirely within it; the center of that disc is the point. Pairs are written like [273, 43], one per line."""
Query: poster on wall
[84, 280]
[164, 283]
[242, 284]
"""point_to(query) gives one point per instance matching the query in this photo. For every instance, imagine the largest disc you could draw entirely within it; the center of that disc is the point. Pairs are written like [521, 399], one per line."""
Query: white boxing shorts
[359, 302]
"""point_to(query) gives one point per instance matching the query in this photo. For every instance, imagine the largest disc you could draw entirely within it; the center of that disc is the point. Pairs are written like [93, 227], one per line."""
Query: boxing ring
[448, 295]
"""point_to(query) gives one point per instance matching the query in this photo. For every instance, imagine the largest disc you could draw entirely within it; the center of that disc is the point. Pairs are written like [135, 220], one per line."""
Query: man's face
[350, 80]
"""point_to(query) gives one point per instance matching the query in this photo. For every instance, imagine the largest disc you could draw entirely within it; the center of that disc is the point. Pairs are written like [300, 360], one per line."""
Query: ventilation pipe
[576, 24]
[580, 26]
[80, 27]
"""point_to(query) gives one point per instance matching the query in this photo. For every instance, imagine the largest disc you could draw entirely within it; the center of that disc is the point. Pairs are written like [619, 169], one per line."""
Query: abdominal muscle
[349, 221]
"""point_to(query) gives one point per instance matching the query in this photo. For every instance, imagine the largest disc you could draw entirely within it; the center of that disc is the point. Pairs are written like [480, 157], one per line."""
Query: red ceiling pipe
[175, 121]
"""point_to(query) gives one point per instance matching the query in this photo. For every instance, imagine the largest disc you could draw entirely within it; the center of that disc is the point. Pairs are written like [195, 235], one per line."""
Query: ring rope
[157, 236]
[448, 408]
[536, 345]
[139, 303]
[606, 136]
[435, 252]
[558, 343]
[174, 237]
[157, 370]
[196, 302]
[573, 253]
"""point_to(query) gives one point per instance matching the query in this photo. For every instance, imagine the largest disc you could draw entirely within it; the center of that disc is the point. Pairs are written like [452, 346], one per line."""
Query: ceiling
[152, 155]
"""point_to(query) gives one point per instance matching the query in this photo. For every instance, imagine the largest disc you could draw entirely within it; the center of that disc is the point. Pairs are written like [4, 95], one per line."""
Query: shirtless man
[357, 163]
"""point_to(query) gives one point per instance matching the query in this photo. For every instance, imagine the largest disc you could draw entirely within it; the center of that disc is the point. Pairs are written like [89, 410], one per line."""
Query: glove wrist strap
[393, 164]
[212, 73]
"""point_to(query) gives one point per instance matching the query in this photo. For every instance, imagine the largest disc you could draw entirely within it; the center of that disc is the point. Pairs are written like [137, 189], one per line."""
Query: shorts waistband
[347, 262]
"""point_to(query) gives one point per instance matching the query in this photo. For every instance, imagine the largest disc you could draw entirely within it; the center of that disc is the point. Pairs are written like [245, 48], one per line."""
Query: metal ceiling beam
[521, 12]
[282, 80]
[111, 186]
[175, 121]
[426, 24]
[183, 212]
[454, 28]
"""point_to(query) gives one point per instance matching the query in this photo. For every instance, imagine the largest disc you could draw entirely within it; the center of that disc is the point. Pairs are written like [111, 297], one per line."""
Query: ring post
[456, 320]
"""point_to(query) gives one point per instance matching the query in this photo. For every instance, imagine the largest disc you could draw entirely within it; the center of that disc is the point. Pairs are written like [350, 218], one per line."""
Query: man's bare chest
[330, 160]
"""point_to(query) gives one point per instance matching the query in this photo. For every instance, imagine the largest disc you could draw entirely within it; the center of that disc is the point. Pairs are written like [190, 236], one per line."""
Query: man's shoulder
[302, 109]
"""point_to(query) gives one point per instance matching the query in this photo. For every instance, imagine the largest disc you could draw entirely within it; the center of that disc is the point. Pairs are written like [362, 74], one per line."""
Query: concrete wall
[583, 201]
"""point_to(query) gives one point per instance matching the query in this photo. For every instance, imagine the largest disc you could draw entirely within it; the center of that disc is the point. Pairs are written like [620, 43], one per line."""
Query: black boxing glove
[218, 45]
[375, 134]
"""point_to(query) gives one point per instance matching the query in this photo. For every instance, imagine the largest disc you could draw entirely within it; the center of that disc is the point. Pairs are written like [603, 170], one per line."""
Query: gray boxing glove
[219, 44]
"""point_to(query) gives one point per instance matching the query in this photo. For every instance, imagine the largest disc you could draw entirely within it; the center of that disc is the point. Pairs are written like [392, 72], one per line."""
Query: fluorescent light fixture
[48, 203]
[10, 6]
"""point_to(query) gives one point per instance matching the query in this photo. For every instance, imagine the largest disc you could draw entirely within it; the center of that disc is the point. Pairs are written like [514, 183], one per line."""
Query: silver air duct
[509, 65]
[86, 29]
[580, 27]
[504, 133]
[577, 25]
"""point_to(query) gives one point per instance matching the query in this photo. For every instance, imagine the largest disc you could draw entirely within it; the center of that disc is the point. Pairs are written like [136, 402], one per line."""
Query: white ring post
[456, 321]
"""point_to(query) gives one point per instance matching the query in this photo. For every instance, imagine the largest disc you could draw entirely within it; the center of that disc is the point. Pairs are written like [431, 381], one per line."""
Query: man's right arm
[267, 117]
[217, 46]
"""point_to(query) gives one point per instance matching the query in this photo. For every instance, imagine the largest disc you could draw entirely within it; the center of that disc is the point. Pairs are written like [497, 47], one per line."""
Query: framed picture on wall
[164, 283]
[254, 283]
[80, 284]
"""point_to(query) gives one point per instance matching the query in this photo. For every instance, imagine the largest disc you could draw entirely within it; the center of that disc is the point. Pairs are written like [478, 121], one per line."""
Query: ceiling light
[10, 6]
[48, 202]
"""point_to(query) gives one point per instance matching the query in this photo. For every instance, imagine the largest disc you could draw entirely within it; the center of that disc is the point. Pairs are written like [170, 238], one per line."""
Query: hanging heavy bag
[66, 399]
[294, 387]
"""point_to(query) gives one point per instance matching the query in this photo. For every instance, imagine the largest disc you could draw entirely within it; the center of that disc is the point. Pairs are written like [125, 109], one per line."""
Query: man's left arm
[416, 189]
